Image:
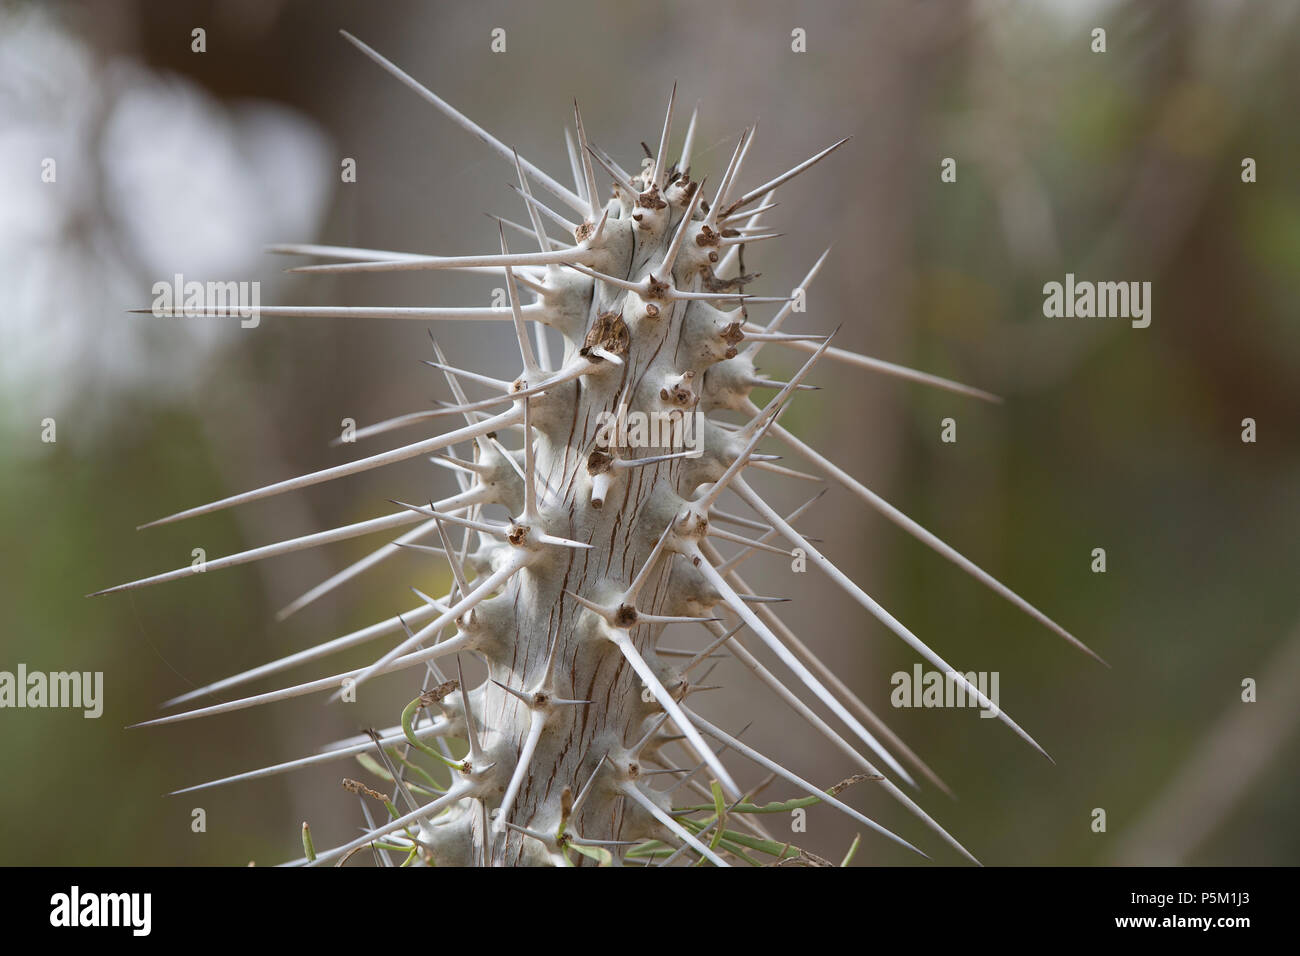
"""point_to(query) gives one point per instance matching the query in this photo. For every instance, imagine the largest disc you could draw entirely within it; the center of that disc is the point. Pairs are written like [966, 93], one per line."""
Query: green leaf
[598, 853]
[308, 847]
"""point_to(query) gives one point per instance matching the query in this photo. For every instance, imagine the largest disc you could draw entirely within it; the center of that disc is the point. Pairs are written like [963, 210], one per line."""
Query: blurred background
[1122, 165]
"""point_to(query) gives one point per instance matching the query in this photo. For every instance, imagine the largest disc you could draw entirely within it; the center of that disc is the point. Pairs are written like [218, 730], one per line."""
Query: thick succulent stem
[609, 464]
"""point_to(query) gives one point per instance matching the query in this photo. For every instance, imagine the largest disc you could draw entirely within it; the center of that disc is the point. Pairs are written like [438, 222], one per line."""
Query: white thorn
[929, 539]
[489, 585]
[688, 146]
[351, 468]
[840, 578]
[661, 157]
[792, 662]
[682, 833]
[434, 806]
[310, 687]
[535, 727]
[798, 781]
[623, 641]
[784, 177]
[566, 195]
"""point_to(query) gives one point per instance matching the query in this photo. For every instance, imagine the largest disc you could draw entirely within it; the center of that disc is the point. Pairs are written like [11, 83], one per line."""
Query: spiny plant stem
[611, 541]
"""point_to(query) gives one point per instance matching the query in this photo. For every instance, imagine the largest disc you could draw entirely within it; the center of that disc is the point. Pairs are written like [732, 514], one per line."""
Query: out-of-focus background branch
[1123, 165]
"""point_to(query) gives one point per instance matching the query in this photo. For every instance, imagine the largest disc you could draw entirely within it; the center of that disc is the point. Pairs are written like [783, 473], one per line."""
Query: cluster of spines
[605, 546]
